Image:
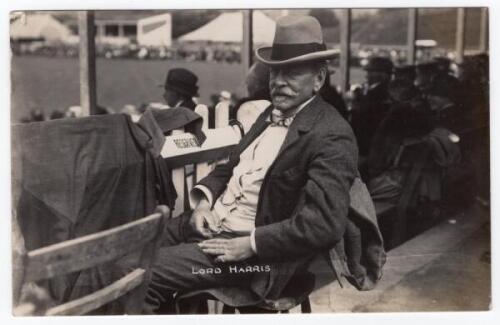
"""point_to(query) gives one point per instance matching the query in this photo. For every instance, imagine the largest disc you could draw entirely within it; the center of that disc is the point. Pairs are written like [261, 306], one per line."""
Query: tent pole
[483, 36]
[345, 49]
[247, 48]
[412, 35]
[460, 35]
[87, 62]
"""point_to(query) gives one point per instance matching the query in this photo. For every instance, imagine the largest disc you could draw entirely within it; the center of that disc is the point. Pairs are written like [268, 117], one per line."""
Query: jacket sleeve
[218, 179]
[320, 218]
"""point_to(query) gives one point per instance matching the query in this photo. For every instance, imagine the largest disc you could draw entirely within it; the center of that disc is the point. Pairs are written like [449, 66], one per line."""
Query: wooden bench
[92, 250]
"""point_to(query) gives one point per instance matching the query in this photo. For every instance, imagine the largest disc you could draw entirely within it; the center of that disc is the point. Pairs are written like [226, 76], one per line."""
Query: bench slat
[90, 250]
[101, 297]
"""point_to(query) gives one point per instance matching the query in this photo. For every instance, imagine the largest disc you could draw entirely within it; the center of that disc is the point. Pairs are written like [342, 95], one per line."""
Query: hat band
[287, 51]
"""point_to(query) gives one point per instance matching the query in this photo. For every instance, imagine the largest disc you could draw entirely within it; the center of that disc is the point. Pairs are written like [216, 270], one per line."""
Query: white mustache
[282, 92]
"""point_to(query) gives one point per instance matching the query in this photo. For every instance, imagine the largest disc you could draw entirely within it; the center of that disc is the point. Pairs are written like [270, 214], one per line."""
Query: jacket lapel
[302, 123]
[257, 128]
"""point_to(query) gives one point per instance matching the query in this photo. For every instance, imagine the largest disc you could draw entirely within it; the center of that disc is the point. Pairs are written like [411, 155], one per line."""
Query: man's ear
[319, 81]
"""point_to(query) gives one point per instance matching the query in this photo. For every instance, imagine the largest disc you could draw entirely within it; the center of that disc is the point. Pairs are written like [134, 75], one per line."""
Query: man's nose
[277, 78]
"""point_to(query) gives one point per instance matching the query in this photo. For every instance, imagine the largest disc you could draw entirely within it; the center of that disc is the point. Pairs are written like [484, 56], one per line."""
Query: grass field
[53, 83]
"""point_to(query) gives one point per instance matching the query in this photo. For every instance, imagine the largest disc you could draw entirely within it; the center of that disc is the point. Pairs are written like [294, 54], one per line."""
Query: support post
[460, 36]
[247, 46]
[412, 35]
[345, 49]
[87, 62]
[483, 36]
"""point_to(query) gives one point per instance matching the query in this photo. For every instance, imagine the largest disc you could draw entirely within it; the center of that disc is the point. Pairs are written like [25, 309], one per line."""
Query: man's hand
[203, 221]
[228, 250]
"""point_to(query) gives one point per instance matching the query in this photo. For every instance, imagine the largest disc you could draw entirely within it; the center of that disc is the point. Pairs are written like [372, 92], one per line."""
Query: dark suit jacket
[304, 198]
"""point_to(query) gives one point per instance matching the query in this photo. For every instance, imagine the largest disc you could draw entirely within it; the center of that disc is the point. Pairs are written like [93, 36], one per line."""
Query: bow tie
[277, 119]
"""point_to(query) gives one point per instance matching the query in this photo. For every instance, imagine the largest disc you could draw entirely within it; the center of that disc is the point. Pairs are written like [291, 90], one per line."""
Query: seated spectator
[331, 96]
[443, 95]
[36, 115]
[56, 114]
[249, 108]
[181, 85]
[409, 117]
[371, 107]
[405, 72]
[425, 72]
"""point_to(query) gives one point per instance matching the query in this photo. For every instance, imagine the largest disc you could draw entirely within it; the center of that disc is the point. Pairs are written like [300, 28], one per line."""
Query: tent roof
[228, 27]
[34, 26]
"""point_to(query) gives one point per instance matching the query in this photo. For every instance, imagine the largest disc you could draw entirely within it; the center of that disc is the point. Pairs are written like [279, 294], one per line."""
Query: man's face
[290, 86]
[171, 97]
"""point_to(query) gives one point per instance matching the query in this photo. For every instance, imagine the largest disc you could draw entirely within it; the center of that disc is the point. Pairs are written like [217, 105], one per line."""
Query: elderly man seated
[282, 197]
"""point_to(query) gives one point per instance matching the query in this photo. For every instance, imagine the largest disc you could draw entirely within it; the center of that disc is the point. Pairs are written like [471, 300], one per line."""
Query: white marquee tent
[228, 27]
[38, 26]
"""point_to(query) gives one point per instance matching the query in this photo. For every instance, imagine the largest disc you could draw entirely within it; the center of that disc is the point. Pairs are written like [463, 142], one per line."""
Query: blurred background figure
[56, 114]
[247, 109]
[330, 94]
[443, 96]
[74, 111]
[36, 115]
[371, 105]
[180, 86]
[425, 72]
[225, 97]
[405, 72]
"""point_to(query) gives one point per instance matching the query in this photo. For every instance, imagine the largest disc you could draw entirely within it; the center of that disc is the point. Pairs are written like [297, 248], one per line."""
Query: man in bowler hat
[180, 86]
[282, 197]
[372, 106]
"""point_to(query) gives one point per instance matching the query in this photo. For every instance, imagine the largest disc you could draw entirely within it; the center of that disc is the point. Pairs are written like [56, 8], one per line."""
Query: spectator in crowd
[332, 96]
[56, 114]
[36, 115]
[247, 109]
[409, 116]
[181, 85]
[405, 72]
[223, 97]
[443, 94]
[371, 107]
[425, 72]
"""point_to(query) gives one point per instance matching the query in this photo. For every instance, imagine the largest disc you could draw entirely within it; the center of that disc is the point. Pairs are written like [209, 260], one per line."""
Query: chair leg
[305, 307]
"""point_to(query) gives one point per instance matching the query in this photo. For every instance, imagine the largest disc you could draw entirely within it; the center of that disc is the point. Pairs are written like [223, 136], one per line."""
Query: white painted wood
[222, 114]
[202, 169]
[178, 177]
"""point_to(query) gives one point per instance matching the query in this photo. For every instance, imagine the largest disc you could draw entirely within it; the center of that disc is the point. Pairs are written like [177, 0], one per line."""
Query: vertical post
[460, 35]
[483, 36]
[345, 48]
[247, 48]
[121, 30]
[412, 35]
[87, 62]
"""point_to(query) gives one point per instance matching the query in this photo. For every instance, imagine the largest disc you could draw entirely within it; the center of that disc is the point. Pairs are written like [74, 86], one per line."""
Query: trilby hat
[296, 39]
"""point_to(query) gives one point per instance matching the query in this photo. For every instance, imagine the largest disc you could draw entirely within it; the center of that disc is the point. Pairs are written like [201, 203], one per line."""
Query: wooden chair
[96, 249]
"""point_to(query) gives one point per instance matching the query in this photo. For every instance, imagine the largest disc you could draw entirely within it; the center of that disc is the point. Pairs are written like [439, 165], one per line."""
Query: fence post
[87, 62]
[178, 178]
[202, 169]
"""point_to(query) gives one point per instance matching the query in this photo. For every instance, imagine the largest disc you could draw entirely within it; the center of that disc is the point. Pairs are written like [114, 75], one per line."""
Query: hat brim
[263, 54]
[180, 90]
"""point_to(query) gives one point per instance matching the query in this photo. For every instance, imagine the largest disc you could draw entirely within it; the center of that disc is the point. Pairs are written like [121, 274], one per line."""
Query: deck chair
[96, 249]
